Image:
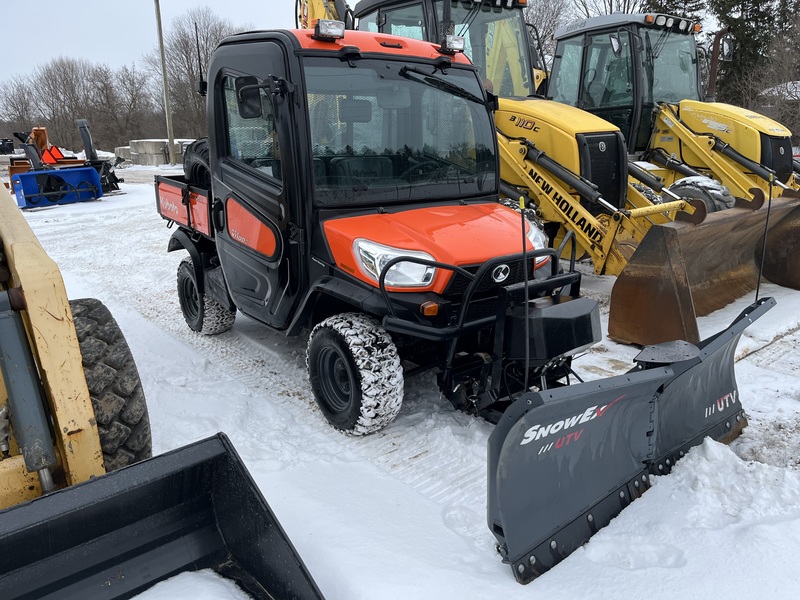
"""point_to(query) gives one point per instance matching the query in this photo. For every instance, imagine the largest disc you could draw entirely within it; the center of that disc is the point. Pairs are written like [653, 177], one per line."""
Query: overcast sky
[112, 32]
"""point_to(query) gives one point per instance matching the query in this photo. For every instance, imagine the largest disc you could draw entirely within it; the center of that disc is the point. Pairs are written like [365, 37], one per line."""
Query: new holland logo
[602, 146]
[500, 273]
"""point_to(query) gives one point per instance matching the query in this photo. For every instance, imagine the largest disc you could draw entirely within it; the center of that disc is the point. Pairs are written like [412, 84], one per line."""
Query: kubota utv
[348, 188]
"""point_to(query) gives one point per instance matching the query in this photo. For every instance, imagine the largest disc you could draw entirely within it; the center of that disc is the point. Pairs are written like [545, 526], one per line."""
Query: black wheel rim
[190, 300]
[336, 379]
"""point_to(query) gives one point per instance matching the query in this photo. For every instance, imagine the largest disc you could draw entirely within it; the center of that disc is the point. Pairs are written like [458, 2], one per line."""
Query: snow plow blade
[563, 462]
[681, 271]
[194, 508]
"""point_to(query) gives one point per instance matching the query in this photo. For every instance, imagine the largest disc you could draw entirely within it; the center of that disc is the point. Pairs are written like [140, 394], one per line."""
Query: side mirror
[616, 45]
[726, 48]
[249, 97]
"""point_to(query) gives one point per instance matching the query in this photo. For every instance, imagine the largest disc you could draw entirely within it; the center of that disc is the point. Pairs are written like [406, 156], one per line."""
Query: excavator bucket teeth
[682, 271]
[115, 536]
[564, 462]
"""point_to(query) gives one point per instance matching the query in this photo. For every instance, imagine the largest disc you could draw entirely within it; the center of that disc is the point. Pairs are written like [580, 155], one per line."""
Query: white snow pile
[402, 513]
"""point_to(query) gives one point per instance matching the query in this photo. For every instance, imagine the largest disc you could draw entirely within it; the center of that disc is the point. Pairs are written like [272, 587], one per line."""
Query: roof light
[452, 44]
[670, 22]
[661, 20]
[683, 25]
[697, 28]
[650, 19]
[328, 31]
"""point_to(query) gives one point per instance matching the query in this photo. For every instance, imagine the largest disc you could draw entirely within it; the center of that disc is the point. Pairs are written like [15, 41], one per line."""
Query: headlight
[372, 258]
[538, 238]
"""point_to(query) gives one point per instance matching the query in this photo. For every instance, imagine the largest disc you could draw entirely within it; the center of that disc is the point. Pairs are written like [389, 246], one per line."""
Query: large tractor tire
[196, 164]
[114, 386]
[712, 193]
[202, 314]
[355, 373]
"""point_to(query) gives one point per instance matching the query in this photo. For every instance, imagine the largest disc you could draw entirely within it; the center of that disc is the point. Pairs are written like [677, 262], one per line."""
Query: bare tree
[777, 85]
[593, 8]
[60, 90]
[16, 108]
[547, 16]
[183, 65]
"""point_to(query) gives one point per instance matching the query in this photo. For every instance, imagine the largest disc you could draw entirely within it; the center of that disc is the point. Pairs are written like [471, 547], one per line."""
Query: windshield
[387, 131]
[496, 42]
[670, 66]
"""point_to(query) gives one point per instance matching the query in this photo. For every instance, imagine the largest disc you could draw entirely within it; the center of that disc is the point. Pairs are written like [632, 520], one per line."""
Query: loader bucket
[564, 462]
[196, 507]
[782, 259]
[682, 271]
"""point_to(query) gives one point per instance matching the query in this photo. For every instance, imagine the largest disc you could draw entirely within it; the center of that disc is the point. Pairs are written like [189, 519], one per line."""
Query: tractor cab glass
[496, 42]
[388, 132]
[597, 76]
[670, 66]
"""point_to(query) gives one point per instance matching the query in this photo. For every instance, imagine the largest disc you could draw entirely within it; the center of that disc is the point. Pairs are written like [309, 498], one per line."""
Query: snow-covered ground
[401, 514]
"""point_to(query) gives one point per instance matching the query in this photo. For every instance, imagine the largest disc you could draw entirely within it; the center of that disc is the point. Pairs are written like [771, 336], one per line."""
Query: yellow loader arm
[677, 133]
[311, 11]
[32, 282]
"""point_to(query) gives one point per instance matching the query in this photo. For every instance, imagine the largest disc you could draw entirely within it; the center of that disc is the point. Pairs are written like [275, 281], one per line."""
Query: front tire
[202, 314]
[355, 373]
[114, 386]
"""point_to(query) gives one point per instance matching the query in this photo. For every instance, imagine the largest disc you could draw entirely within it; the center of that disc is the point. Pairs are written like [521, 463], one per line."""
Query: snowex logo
[541, 432]
[719, 405]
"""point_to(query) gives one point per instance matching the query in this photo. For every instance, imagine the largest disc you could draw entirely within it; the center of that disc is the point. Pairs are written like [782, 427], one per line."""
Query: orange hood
[458, 235]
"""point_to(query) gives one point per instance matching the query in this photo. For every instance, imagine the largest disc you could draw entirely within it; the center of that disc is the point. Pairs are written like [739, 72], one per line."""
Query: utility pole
[167, 109]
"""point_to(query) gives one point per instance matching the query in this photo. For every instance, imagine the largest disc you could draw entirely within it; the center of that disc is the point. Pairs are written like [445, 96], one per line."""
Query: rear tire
[114, 386]
[355, 373]
[202, 314]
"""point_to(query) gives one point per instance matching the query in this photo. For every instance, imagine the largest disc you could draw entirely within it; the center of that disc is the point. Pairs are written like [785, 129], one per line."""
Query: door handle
[218, 215]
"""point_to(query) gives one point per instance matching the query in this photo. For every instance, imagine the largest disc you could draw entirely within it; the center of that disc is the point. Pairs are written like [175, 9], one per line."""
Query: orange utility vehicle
[349, 186]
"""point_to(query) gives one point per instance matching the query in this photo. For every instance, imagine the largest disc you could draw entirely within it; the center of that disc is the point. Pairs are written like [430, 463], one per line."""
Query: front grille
[776, 154]
[459, 283]
[483, 302]
[604, 163]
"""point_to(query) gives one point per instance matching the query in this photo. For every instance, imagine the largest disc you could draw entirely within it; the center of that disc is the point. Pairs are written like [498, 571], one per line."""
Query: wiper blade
[439, 83]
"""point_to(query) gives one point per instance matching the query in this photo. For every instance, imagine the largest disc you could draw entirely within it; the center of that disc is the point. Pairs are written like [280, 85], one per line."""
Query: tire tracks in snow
[430, 447]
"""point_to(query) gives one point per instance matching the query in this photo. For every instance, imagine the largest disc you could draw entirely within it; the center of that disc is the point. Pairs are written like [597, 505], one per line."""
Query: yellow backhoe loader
[573, 168]
[84, 511]
[641, 72]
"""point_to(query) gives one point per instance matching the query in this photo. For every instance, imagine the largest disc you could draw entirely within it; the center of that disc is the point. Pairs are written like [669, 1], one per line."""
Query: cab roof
[366, 42]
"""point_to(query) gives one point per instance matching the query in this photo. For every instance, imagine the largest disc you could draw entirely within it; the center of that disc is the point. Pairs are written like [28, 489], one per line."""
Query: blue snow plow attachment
[194, 508]
[564, 462]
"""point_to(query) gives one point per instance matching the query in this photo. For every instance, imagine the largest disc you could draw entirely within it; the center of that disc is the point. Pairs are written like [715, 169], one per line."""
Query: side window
[250, 126]
[408, 21]
[613, 83]
[368, 23]
[566, 77]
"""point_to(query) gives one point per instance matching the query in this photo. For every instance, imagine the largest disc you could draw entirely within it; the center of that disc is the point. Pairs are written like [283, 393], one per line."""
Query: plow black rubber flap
[193, 508]
[562, 463]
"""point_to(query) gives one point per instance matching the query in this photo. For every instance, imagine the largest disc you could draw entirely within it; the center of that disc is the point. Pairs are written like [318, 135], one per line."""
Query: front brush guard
[562, 463]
